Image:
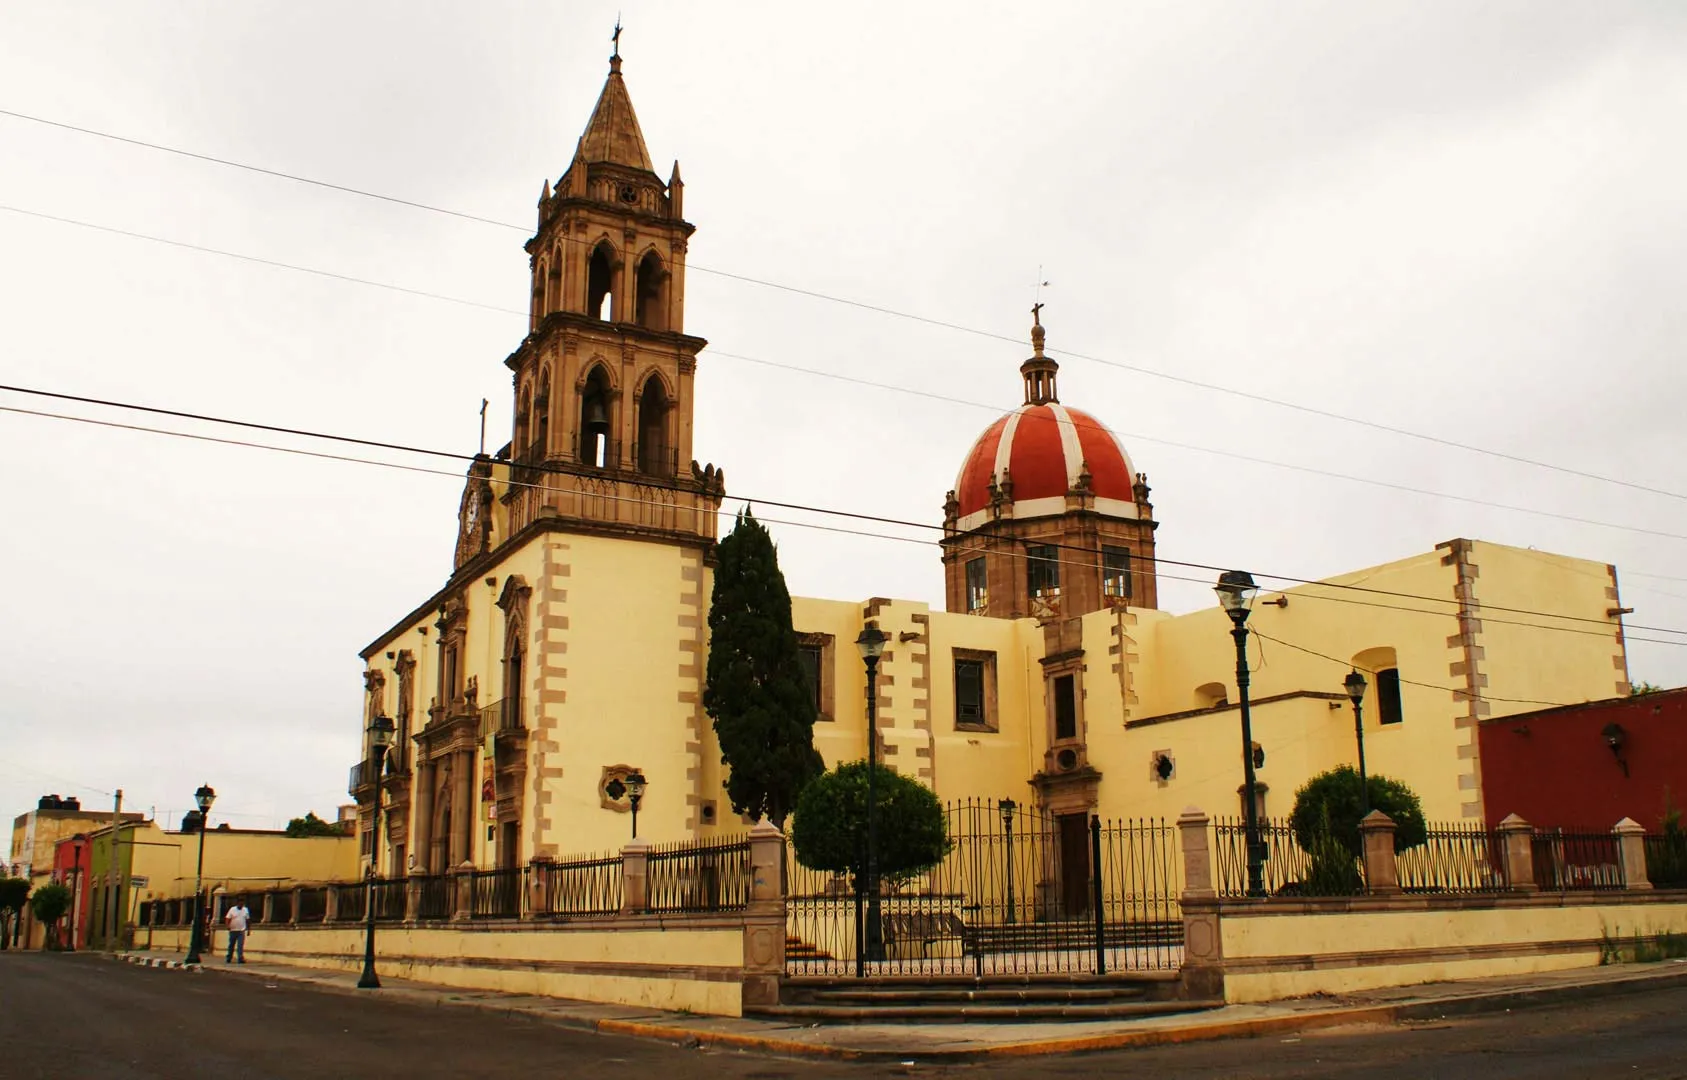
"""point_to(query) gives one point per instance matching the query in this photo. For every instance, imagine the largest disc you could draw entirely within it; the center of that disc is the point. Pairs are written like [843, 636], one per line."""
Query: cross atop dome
[1039, 371]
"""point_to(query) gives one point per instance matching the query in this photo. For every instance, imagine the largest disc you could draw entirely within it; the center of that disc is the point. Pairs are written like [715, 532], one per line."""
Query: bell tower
[604, 379]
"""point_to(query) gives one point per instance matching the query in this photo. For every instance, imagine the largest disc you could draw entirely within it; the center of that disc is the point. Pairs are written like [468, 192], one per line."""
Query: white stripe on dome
[1004, 448]
[1070, 448]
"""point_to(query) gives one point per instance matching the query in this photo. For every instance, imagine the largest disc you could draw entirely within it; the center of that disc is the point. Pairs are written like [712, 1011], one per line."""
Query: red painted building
[71, 861]
[1588, 766]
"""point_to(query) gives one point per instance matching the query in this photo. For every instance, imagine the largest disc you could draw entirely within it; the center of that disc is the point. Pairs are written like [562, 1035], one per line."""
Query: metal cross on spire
[616, 36]
[1037, 306]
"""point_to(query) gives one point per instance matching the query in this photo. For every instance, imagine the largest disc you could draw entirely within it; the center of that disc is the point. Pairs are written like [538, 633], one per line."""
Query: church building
[567, 649]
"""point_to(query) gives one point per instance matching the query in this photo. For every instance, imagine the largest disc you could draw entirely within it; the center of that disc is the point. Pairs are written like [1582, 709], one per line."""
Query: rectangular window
[978, 587]
[1065, 707]
[1116, 573]
[1042, 569]
[969, 693]
[810, 655]
[975, 690]
[1388, 696]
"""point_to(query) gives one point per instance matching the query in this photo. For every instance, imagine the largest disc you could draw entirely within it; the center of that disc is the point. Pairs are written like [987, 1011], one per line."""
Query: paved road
[83, 1016]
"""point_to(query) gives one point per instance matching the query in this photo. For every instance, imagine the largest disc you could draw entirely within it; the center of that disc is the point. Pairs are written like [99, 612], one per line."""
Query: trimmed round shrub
[1330, 802]
[829, 828]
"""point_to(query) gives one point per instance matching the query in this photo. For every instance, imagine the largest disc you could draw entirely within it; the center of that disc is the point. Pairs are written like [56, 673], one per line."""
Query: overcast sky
[1461, 220]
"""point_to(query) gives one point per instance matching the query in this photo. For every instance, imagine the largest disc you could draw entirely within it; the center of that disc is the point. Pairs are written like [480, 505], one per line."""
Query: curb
[1459, 1005]
[159, 962]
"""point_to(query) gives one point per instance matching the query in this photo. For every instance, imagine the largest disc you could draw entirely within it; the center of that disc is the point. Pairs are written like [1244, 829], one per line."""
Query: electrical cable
[649, 482]
[1230, 454]
[879, 309]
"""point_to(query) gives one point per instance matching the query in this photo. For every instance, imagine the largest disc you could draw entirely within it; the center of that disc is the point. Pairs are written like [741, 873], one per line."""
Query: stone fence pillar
[331, 904]
[635, 869]
[1203, 944]
[1517, 840]
[412, 898]
[464, 907]
[539, 886]
[764, 918]
[267, 914]
[1382, 873]
[298, 898]
[1631, 839]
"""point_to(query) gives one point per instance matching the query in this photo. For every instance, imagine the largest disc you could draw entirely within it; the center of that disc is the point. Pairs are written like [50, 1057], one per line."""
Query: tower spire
[613, 135]
[1039, 371]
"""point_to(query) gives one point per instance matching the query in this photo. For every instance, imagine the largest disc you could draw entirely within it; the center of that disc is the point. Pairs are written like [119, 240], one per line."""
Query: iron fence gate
[1021, 891]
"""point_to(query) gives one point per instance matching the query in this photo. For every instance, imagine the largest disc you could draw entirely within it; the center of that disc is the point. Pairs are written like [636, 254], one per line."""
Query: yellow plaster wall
[1298, 954]
[237, 860]
[692, 970]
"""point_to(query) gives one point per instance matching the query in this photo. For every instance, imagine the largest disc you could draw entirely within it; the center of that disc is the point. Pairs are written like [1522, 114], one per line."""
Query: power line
[1607, 628]
[1233, 455]
[1138, 369]
[1429, 686]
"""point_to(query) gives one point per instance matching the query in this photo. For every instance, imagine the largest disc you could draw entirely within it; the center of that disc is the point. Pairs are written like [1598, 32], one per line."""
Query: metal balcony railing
[503, 715]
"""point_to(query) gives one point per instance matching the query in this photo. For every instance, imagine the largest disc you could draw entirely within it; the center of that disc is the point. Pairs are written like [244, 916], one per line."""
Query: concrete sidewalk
[957, 1042]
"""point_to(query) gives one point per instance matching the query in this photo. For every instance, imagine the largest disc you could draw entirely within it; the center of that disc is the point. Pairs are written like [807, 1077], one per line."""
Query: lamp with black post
[203, 798]
[1236, 591]
[1355, 684]
[76, 843]
[381, 734]
[871, 644]
[635, 795]
[1007, 807]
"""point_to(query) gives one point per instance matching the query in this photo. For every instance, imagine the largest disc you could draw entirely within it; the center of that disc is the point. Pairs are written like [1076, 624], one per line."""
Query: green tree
[1636, 689]
[830, 826]
[311, 825]
[756, 691]
[1330, 802]
[14, 893]
[48, 905]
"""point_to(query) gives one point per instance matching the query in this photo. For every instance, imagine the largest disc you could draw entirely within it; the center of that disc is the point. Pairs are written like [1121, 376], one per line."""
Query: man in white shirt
[238, 918]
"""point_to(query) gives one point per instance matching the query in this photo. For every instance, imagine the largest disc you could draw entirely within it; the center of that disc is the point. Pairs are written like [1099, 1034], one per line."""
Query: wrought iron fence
[1666, 859]
[351, 901]
[313, 904]
[1569, 861]
[390, 899]
[709, 875]
[1020, 891]
[1286, 869]
[433, 896]
[578, 887]
[1454, 858]
[495, 894]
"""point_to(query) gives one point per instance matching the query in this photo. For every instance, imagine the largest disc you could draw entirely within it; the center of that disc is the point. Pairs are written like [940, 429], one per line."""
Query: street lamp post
[1236, 592]
[635, 795]
[203, 798]
[381, 733]
[75, 887]
[871, 644]
[1355, 684]
[1007, 807]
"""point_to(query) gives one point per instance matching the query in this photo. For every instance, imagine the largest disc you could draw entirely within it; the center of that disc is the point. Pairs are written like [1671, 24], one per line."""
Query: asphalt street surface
[85, 1016]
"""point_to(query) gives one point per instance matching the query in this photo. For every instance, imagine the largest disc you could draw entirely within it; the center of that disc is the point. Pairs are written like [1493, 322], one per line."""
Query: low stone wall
[1251, 950]
[700, 964]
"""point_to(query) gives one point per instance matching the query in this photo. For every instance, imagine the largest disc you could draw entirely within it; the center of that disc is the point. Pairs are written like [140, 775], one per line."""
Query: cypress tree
[756, 691]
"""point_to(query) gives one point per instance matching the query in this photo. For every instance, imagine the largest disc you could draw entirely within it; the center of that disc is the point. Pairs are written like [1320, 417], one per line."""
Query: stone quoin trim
[919, 651]
[1467, 667]
[692, 627]
[1620, 659]
[550, 693]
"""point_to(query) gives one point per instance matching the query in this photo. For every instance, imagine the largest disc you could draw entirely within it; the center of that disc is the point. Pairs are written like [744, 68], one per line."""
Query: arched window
[1382, 668]
[523, 409]
[553, 287]
[600, 278]
[654, 457]
[651, 293]
[538, 310]
[542, 414]
[1211, 695]
[595, 446]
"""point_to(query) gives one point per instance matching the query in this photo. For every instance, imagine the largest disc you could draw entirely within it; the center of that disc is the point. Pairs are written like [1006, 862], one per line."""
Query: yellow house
[568, 647]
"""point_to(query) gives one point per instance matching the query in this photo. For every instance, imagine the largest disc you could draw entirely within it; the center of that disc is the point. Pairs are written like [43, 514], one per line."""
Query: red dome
[1044, 449]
